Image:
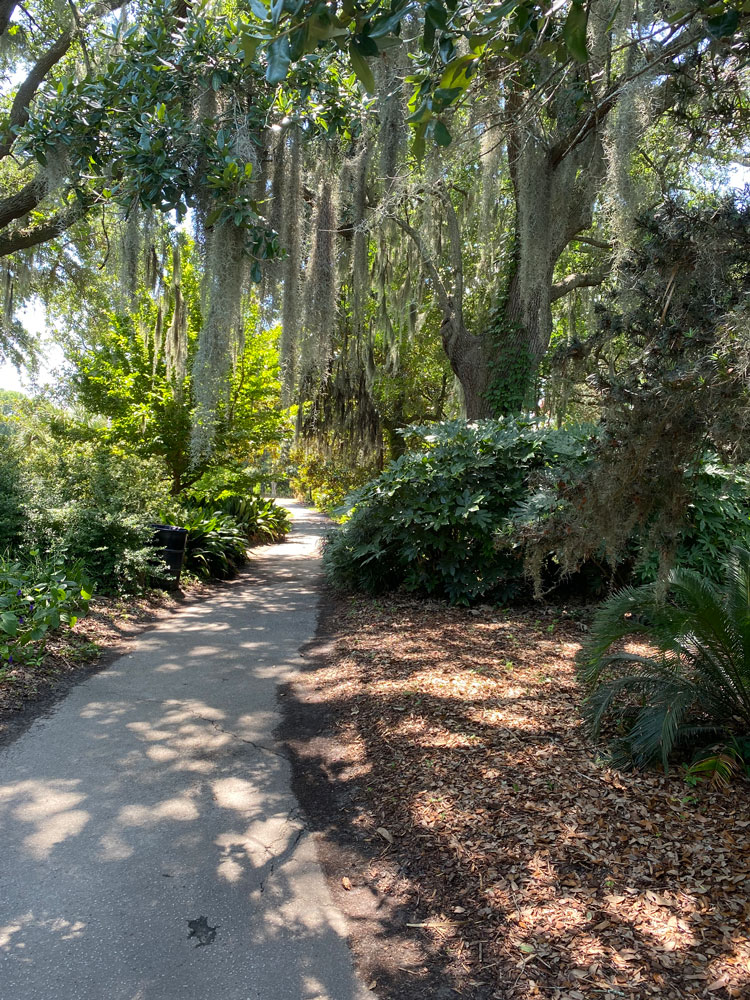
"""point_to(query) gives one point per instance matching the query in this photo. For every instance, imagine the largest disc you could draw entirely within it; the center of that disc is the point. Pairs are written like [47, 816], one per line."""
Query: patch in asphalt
[199, 929]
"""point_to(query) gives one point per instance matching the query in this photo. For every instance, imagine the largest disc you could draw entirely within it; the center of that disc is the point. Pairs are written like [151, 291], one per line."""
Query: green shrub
[695, 688]
[216, 544]
[37, 595]
[717, 520]
[430, 520]
[98, 504]
[12, 495]
[261, 520]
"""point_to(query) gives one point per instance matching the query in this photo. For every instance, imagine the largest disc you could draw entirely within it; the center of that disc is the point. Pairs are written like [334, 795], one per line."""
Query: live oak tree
[568, 91]
[249, 123]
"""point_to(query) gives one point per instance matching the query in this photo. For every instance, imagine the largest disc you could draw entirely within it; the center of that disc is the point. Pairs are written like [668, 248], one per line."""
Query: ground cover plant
[523, 865]
[38, 594]
[691, 691]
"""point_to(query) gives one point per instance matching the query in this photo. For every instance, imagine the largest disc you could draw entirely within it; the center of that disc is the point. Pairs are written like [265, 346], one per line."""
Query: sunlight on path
[152, 848]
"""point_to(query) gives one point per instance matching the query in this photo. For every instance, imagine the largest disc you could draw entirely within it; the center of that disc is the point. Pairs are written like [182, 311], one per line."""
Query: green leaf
[458, 73]
[366, 46]
[259, 9]
[435, 12]
[277, 7]
[574, 32]
[249, 48]
[442, 135]
[279, 57]
[418, 146]
[361, 68]
[390, 22]
[723, 26]
[9, 623]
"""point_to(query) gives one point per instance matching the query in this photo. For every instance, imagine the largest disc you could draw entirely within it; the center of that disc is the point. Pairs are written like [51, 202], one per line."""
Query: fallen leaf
[385, 834]
[346, 883]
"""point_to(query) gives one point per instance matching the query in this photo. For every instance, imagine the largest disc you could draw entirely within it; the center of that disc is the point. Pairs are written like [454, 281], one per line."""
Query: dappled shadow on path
[156, 796]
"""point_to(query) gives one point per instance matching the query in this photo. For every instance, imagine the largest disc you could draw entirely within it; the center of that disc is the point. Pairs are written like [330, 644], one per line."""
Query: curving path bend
[150, 845]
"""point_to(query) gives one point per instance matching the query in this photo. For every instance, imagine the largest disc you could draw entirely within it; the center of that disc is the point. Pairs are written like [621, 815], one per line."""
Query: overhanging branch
[22, 202]
[22, 239]
[572, 281]
[6, 13]
[19, 111]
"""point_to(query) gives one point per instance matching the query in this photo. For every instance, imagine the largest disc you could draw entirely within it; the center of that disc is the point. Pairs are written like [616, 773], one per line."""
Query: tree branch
[585, 280]
[6, 13]
[19, 111]
[591, 119]
[23, 201]
[22, 239]
[457, 260]
[440, 289]
[601, 244]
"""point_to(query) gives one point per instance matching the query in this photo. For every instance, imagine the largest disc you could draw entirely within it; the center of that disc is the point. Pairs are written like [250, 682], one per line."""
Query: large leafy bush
[12, 494]
[37, 595]
[430, 521]
[231, 493]
[216, 544]
[717, 519]
[98, 505]
[694, 689]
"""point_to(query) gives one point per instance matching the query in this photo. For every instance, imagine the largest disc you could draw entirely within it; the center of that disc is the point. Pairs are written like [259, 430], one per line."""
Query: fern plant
[695, 689]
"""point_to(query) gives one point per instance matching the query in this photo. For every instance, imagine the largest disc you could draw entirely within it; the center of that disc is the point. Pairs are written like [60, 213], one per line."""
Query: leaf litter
[535, 870]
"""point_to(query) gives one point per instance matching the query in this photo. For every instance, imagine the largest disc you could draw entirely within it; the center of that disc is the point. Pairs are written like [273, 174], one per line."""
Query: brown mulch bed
[91, 644]
[529, 869]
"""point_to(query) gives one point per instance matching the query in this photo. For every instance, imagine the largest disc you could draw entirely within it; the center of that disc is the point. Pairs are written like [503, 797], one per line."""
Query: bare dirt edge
[389, 957]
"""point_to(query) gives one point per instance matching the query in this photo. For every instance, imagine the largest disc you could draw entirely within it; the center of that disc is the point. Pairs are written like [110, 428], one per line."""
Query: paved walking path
[154, 804]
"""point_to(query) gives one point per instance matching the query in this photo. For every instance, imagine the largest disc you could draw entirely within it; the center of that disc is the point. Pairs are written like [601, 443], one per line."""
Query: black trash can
[171, 542]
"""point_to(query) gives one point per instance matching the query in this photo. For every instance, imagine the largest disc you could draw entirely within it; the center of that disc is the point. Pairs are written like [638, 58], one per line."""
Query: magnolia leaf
[574, 32]
[279, 57]
[389, 22]
[459, 72]
[259, 9]
[442, 135]
[418, 146]
[249, 47]
[361, 68]
[726, 24]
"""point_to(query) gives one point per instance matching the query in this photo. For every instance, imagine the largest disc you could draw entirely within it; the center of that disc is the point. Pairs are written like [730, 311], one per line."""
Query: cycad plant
[694, 690]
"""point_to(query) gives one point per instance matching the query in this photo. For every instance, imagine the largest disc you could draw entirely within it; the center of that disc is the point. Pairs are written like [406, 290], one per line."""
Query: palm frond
[697, 684]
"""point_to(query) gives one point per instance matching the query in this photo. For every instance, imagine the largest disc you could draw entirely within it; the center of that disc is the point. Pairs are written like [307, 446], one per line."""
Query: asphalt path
[150, 845]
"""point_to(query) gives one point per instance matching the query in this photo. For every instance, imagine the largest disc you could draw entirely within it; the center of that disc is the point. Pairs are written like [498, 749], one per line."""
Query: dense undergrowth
[455, 517]
[77, 518]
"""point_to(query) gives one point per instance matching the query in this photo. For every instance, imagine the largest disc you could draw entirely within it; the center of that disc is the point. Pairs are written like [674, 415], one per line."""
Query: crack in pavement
[289, 850]
[251, 743]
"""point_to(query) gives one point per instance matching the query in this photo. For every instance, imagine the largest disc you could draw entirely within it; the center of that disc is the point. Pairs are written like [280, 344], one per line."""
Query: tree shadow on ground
[524, 868]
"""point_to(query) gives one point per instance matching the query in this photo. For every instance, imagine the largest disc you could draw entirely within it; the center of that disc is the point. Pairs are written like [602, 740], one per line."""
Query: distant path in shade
[150, 845]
